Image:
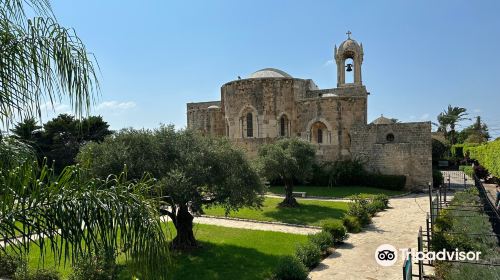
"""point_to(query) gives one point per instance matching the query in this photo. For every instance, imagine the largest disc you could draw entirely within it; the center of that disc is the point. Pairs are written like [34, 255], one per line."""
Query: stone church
[270, 104]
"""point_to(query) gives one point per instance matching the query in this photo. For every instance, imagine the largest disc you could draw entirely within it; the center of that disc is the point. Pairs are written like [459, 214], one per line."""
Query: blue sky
[420, 56]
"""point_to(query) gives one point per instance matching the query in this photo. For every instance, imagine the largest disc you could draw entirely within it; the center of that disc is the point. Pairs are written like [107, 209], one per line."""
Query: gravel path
[310, 198]
[255, 225]
[397, 226]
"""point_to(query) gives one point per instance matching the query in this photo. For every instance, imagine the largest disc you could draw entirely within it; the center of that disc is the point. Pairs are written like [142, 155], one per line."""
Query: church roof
[349, 45]
[269, 73]
[383, 120]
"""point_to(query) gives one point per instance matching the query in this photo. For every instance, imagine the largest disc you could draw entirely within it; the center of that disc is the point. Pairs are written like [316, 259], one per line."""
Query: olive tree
[288, 160]
[192, 171]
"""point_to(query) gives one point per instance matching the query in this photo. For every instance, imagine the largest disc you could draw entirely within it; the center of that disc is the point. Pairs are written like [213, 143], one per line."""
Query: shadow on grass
[220, 261]
[305, 214]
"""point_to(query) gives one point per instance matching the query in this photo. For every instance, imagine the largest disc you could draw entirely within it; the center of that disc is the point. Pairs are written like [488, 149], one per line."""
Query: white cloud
[115, 106]
[57, 108]
[477, 111]
[328, 62]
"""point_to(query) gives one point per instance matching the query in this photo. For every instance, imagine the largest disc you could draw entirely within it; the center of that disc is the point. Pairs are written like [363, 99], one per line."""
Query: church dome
[383, 120]
[350, 45]
[269, 73]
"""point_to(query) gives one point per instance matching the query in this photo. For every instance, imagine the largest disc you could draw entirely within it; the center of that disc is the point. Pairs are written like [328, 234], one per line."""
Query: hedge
[467, 169]
[488, 156]
[459, 150]
[388, 182]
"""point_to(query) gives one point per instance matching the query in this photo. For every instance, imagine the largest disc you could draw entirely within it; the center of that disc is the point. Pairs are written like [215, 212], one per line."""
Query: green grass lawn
[227, 253]
[230, 253]
[341, 191]
[309, 212]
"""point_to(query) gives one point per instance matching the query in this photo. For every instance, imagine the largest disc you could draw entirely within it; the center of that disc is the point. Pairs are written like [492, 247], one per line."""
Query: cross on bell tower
[349, 50]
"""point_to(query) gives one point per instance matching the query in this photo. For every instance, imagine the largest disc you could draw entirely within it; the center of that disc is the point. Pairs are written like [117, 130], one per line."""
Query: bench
[301, 194]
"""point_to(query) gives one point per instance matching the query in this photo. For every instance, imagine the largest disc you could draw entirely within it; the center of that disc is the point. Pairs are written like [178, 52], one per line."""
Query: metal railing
[488, 207]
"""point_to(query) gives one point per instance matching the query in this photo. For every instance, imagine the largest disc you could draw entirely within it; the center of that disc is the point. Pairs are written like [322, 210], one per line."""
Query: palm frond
[71, 215]
[42, 61]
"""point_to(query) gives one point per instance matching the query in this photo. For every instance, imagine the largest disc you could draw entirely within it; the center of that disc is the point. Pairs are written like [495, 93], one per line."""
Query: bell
[349, 67]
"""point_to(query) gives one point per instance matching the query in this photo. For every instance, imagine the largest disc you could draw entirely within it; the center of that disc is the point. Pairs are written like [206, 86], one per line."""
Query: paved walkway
[457, 179]
[397, 226]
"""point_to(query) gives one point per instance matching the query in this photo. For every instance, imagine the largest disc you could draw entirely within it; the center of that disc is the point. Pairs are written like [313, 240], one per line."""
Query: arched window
[319, 133]
[249, 125]
[283, 126]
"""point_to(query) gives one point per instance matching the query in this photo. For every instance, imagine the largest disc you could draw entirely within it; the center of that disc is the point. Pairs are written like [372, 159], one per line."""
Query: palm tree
[448, 120]
[69, 214]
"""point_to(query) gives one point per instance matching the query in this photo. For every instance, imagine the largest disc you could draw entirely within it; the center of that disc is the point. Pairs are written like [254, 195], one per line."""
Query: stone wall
[303, 105]
[338, 109]
[206, 117]
[409, 153]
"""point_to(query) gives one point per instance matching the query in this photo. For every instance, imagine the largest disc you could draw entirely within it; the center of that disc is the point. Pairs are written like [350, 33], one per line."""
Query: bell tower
[348, 51]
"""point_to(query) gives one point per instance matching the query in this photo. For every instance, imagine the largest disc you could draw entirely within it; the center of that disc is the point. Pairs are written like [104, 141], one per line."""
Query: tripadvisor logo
[386, 255]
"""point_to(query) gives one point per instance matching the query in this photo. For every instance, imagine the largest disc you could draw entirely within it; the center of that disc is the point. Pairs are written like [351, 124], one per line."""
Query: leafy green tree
[288, 160]
[94, 128]
[60, 141]
[448, 119]
[28, 130]
[61, 138]
[439, 149]
[475, 133]
[140, 151]
[192, 171]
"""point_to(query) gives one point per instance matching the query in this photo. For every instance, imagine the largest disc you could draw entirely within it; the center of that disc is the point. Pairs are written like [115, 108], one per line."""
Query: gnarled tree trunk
[289, 200]
[184, 225]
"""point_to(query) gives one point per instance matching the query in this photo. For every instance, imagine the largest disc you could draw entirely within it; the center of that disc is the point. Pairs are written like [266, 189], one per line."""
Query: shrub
[24, 273]
[8, 265]
[451, 232]
[388, 182]
[98, 266]
[359, 208]
[488, 156]
[309, 254]
[439, 149]
[481, 172]
[346, 172]
[290, 268]
[383, 199]
[336, 230]
[378, 205]
[352, 224]
[467, 169]
[437, 178]
[320, 175]
[322, 239]
[371, 209]
[43, 274]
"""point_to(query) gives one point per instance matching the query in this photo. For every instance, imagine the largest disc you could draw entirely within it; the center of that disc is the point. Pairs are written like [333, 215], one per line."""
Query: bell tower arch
[351, 52]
